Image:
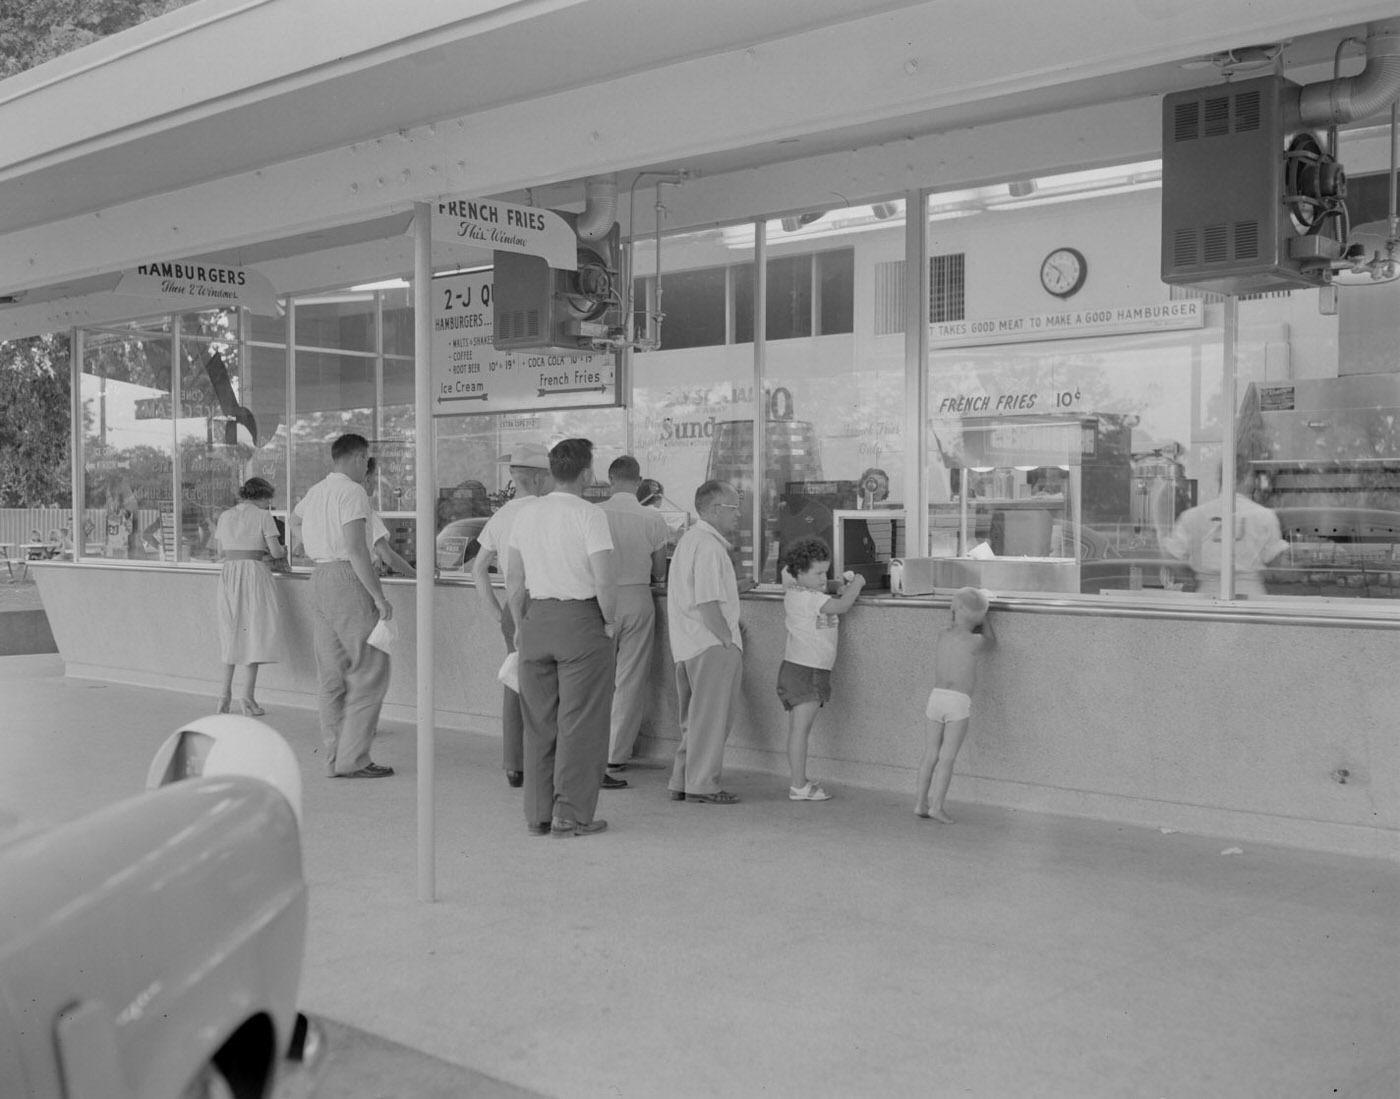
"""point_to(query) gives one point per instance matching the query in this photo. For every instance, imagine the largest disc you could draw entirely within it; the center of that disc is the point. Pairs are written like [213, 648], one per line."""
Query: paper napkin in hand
[508, 675]
[384, 635]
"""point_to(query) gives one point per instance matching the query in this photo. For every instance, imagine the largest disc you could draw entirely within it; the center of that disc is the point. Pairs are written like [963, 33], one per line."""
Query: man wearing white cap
[529, 469]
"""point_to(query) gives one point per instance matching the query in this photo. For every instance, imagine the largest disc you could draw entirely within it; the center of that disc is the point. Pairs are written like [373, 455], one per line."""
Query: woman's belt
[244, 555]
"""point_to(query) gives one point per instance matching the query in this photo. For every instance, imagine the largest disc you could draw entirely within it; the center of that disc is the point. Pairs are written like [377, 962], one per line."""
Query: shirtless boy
[956, 655]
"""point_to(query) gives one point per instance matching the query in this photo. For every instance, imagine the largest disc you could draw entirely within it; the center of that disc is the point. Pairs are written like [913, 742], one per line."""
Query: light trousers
[566, 689]
[352, 675]
[707, 686]
[635, 639]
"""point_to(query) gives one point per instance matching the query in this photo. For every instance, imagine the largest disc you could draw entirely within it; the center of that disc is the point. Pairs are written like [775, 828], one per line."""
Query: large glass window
[165, 451]
[345, 382]
[695, 305]
[1070, 333]
[691, 405]
[129, 430]
[829, 397]
[473, 482]
[1081, 417]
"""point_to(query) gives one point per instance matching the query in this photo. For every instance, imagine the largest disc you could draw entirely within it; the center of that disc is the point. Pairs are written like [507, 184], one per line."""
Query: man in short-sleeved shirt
[529, 469]
[562, 594]
[347, 602]
[639, 537]
[702, 608]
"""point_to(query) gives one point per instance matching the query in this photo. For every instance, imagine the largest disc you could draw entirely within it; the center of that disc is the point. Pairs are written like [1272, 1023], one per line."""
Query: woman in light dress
[250, 629]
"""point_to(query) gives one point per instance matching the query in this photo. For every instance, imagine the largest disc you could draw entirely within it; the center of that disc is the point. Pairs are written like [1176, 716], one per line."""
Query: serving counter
[1251, 724]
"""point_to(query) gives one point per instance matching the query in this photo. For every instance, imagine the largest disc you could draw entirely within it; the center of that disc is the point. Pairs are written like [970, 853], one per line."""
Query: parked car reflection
[457, 542]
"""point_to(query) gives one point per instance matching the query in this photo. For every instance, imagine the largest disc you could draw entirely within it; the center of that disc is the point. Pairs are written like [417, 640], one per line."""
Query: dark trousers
[566, 691]
[512, 721]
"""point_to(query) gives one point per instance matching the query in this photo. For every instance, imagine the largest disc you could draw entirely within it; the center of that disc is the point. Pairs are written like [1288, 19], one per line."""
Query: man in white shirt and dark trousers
[702, 610]
[562, 594]
[347, 602]
[529, 469]
[639, 536]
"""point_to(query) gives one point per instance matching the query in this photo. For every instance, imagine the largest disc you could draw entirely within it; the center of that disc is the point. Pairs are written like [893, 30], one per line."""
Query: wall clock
[1063, 272]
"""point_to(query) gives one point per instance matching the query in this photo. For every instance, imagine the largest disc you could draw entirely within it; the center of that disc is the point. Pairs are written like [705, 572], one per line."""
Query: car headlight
[227, 744]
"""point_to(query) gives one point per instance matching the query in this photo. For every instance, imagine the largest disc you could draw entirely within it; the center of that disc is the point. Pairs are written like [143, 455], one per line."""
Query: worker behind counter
[1197, 538]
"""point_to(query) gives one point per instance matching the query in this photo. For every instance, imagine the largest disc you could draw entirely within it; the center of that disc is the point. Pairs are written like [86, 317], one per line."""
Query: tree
[34, 407]
[35, 31]
[34, 386]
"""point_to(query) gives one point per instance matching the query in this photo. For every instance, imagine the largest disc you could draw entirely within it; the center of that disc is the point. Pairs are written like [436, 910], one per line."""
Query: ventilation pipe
[1351, 98]
[599, 208]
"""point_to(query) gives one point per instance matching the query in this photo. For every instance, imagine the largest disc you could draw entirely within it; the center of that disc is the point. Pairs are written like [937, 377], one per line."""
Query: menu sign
[1069, 324]
[471, 376]
[186, 285]
[485, 223]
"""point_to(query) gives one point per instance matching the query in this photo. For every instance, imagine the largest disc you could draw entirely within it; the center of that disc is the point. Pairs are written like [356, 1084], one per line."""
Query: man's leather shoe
[369, 770]
[515, 778]
[539, 828]
[560, 829]
[610, 783]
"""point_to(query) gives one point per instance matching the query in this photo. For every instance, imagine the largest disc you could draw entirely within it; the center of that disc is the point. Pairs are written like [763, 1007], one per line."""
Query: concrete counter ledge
[1247, 723]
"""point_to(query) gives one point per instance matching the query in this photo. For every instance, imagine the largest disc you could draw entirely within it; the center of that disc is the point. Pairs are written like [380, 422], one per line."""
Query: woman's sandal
[719, 797]
[251, 708]
[223, 704]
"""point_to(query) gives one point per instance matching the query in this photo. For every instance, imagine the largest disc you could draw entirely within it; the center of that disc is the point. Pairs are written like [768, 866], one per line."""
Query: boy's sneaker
[810, 792]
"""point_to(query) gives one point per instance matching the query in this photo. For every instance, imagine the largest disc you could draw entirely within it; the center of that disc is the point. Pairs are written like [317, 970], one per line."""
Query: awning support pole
[425, 542]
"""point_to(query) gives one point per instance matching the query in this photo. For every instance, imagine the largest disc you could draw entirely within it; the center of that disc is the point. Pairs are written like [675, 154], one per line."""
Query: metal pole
[77, 472]
[760, 398]
[176, 464]
[1227, 448]
[425, 542]
[290, 312]
[916, 377]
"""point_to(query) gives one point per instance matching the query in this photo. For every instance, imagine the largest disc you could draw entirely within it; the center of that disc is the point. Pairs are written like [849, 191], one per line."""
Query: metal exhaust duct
[1351, 98]
[599, 209]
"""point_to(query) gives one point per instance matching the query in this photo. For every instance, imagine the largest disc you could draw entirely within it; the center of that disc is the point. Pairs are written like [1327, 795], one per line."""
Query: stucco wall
[1229, 727]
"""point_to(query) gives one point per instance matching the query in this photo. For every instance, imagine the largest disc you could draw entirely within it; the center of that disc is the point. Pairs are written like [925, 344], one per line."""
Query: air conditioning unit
[537, 306]
[1251, 199]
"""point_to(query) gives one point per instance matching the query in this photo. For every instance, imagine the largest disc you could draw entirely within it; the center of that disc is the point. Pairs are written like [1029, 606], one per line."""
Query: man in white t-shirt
[1198, 537]
[702, 610]
[529, 469]
[639, 537]
[347, 602]
[563, 598]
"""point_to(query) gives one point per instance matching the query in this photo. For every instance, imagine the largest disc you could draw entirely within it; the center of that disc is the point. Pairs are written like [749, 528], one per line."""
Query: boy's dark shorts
[798, 683]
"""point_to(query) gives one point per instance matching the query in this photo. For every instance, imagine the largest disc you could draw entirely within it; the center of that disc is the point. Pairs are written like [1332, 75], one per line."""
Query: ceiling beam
[939, 74]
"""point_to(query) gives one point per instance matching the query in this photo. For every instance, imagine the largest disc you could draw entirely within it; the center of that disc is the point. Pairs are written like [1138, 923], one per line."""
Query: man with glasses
[702, 608]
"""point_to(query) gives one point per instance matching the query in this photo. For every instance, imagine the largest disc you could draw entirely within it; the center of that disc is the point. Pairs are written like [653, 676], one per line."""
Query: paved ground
[24, 628]
[777, 949]
[19, 595]
[355, 1064]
